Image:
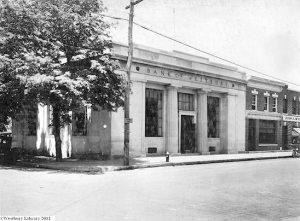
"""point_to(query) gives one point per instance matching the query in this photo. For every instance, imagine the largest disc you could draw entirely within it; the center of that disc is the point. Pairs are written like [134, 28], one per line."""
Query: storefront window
[153, 124]
[267, 132]
[79, 123]
[252, 134]
[213, 117]
[186, 102]
[296, 136]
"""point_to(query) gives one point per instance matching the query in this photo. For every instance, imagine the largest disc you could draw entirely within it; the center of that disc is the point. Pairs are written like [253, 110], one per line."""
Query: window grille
[267, 132]
[213, 117]
[186, 102]
[153, 118]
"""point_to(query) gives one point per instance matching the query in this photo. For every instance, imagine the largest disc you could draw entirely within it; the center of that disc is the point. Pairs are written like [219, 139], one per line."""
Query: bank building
[179, 103]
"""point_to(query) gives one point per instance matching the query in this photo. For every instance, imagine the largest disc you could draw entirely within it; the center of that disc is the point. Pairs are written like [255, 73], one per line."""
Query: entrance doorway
[187, 137]
[252, 135]
[285, 137]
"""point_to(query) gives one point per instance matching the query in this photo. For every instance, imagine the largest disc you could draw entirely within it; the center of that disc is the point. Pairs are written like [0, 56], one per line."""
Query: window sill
[154, 137]
[263, 145]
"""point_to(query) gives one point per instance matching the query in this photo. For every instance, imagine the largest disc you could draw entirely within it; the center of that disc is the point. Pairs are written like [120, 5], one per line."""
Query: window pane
[266, 103]
[294, 107]
[267, 132]
[153, 122]
[79, 123]
[213, 117]
[274, 108]
[253, 102]
[186, 102]
[285, 102]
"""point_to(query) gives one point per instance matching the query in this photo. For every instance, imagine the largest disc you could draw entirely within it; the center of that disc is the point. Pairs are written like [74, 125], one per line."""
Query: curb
[104, 169]
[133, 167]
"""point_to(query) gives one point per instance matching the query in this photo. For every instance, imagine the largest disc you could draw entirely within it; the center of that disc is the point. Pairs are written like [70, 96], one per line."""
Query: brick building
[264, 107]
[290, 118]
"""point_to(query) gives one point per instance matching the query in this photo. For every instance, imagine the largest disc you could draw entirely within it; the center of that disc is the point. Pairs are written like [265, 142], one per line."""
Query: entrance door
[285, 137]
[187, 138]
[251, 135]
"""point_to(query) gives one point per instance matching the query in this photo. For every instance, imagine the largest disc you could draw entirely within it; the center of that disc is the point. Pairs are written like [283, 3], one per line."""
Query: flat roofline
[294, 90]
[265, 80]
[176, 54]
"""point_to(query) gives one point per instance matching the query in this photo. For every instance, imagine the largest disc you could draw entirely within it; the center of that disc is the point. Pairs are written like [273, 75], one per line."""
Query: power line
[202, 51]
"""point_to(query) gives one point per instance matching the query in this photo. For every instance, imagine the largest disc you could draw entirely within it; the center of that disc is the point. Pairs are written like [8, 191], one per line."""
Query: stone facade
[175, 73]
[179, 103]
[94, 143]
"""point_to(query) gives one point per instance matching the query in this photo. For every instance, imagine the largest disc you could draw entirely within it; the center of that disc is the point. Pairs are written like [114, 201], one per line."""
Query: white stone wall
[97, 141]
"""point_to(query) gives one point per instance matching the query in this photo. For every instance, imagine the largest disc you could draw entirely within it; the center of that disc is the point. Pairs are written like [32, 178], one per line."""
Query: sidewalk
[97, 166]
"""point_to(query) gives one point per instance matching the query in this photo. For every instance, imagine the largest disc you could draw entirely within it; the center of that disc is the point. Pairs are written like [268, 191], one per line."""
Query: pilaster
[202, 122]
[172, 120]
[231, 127]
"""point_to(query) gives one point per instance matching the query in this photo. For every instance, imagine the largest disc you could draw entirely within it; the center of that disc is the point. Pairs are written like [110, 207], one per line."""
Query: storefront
[263, 114]
[181, 103]
[291, 131]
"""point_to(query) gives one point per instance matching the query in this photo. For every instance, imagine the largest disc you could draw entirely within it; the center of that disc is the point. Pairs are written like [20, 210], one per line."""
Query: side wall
[96, 144]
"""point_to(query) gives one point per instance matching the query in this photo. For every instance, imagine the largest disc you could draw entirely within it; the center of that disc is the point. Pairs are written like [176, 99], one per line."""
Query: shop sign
[291, 118]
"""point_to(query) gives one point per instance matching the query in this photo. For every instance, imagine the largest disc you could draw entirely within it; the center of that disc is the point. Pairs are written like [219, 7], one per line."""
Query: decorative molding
[267, 94]
[173, 86]
[199, 77]
[252, 114]
[254, 91]
[275, 95]
[203, 91]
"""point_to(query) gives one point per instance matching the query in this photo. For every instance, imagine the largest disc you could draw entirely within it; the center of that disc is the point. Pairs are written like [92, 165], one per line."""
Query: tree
[58, 53]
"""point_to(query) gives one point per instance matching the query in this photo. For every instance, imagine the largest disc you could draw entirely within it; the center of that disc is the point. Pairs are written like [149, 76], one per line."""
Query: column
[172, 120]
[202, 122]
[231, 124]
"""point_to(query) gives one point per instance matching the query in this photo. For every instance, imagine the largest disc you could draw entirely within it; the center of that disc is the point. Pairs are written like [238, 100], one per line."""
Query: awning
[296, 132]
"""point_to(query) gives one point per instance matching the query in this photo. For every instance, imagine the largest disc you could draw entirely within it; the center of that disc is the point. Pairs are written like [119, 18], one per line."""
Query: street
[252, 190]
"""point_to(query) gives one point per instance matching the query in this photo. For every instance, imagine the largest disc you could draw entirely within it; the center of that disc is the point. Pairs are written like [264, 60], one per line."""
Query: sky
[260, 34]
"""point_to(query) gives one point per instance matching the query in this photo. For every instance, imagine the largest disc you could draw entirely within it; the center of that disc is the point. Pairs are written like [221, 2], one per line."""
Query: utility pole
[127, 119]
